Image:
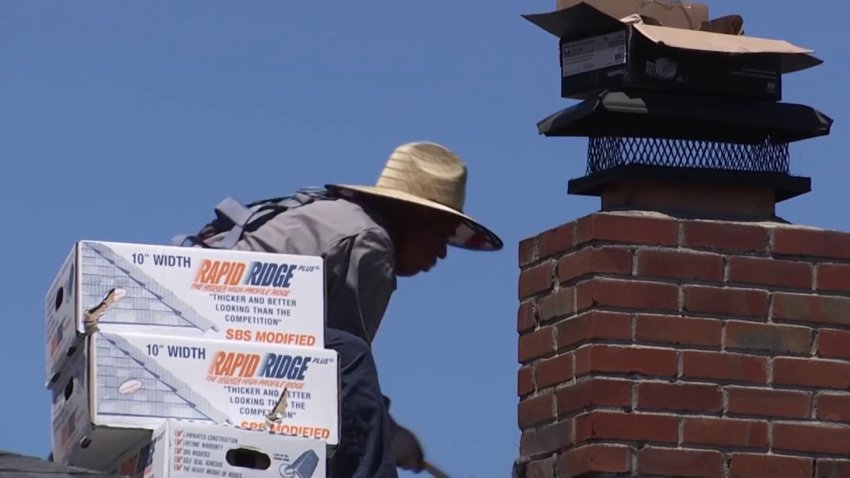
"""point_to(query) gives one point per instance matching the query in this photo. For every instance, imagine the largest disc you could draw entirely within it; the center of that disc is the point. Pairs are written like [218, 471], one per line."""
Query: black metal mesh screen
[607, 152]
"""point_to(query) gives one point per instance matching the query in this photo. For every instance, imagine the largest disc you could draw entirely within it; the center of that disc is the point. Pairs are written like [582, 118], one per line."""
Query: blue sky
[129, 120]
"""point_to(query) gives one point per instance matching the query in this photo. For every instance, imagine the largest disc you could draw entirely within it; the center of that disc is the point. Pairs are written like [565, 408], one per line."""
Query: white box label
[138, 377]
[233, 295]
[593, 53]
[179, 449]
[119, 385]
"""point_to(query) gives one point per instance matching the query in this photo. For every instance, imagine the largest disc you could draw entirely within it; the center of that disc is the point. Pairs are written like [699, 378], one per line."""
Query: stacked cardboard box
[145, 341]
[179, 449]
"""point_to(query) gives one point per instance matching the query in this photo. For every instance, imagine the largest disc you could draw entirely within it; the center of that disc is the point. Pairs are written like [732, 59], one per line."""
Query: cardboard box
[666, 13]
[71, 422]
[600, 51]
[194, 292]
[121, 381]
[180, 449]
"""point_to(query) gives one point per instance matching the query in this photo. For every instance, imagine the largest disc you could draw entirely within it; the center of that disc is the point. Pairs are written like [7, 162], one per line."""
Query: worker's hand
[408, 450]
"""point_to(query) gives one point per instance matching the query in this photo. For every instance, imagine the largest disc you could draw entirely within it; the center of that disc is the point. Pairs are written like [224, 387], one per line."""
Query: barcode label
[593, 53]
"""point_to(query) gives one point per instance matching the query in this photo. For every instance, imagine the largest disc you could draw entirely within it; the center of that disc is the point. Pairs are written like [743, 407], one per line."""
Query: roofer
[368, 236]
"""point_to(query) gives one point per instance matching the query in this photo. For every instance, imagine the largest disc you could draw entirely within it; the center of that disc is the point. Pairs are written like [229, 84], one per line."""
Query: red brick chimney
[655, 345]
[684, 330]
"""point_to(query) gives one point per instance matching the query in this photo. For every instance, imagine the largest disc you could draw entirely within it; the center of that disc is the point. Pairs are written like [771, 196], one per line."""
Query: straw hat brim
[471, 234]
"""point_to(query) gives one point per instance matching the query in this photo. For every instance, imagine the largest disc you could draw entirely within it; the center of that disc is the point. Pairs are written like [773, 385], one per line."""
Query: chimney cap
[784, 186]
[706, 118]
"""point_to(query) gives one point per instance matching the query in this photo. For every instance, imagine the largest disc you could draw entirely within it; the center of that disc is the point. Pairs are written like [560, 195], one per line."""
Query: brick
[679, 264]
[799, 437]
[525, 320]
[833, 407]
[535, 280]
[833, 277]
[527, 443]
[558, 304]
[544, 468]
[594, 325]
[751, 465]
[536, 410]
[832, 469]
[605, 425]
[724, 366]
[763, 271]
[525, 380]
[527, 251]
[625, 360]
[834, 343]
[554, 370]
[679, 397]
[811, 242]
[592, 393]
[769, 403]
[536, 344]
[596, 260]
[595, 458]
[808, 372]
[548, 439]
[679, 462]
[556, 240]
[780, 339]
[628, 294]
[726, 301]
[724, 432]
[678, 330]
[608, 227]
[724, 236]
[811, 308]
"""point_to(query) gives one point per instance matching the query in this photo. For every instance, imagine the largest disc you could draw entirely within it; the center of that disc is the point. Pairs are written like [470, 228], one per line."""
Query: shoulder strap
[235, 218]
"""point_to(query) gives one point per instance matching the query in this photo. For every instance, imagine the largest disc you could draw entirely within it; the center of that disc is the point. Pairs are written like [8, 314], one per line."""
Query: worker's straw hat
[429, 175]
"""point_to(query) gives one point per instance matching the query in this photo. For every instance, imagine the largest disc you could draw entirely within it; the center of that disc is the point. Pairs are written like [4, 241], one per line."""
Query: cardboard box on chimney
[638, 44]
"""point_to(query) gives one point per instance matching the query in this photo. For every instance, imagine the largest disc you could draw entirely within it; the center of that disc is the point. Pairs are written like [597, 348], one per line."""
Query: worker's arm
[408, 450]
[371, 275]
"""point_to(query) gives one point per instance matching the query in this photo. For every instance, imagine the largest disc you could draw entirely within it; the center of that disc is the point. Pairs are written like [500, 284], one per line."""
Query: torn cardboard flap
[665, 13]
[718, 42]
[730, 25]
[592, 17]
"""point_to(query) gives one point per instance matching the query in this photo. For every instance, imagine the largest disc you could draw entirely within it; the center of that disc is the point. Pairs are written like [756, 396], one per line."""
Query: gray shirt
[359, 258]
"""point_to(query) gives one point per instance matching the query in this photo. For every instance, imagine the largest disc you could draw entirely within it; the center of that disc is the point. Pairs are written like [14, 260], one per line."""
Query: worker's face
[424, 241]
